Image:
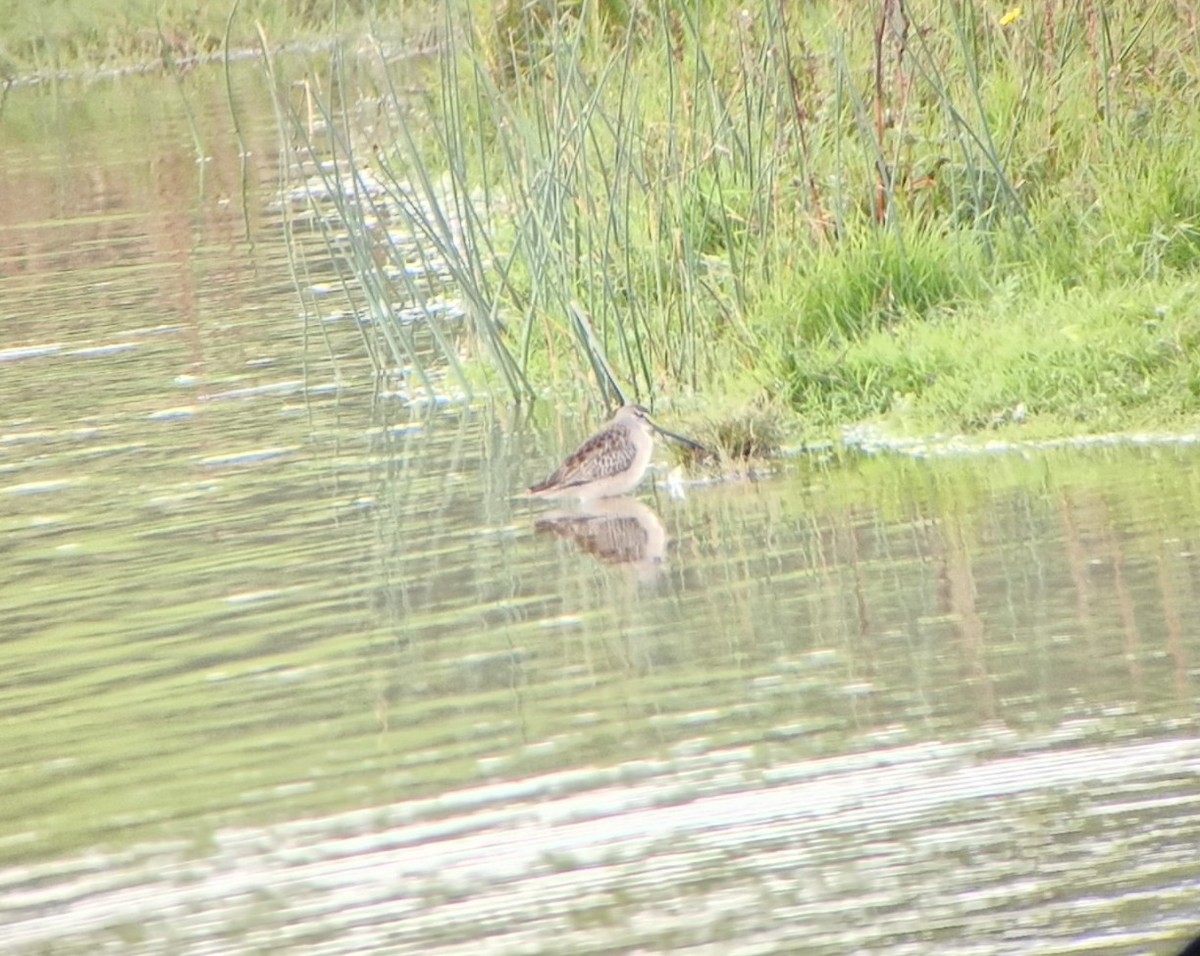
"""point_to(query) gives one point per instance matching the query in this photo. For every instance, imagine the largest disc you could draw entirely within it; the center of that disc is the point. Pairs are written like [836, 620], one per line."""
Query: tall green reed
[543, 169]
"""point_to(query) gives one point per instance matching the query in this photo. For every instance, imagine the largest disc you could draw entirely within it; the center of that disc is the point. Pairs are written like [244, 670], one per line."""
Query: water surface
[286, 666]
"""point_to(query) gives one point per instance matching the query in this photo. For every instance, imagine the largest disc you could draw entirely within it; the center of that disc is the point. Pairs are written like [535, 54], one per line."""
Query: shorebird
[611, 462]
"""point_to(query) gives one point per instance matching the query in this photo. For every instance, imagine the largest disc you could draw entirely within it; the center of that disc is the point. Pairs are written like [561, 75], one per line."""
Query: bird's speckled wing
[608, 452]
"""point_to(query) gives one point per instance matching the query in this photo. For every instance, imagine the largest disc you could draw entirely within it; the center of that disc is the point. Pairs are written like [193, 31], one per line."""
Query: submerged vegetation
[944, 216]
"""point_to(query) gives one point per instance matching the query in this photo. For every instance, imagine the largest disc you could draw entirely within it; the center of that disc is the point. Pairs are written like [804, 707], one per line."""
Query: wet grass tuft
[752, 431]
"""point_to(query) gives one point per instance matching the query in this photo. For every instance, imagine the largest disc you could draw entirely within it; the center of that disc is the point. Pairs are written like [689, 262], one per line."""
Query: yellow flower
[1012, 16]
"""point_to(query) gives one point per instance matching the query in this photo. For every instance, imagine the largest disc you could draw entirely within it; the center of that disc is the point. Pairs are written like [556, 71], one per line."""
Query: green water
[285, 666]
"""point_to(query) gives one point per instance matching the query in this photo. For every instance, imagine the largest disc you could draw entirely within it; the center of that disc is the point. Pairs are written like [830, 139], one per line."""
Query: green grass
[980, 217]
[1073, 360]
[934, 214]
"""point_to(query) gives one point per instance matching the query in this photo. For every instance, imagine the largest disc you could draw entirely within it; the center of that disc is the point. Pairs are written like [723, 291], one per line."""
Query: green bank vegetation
[945, 216]
[941, 215]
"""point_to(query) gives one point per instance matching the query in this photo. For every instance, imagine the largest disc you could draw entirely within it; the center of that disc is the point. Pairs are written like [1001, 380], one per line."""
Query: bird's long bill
[695, 446]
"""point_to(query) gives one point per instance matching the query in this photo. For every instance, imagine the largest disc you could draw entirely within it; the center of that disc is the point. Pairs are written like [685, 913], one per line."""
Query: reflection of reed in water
[615, 530]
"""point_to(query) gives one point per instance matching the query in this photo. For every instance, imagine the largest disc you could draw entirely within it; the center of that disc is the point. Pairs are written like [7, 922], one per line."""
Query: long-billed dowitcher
[611, 462]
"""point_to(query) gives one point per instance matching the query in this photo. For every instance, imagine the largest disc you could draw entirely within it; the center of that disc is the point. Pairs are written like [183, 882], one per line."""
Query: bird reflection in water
[614, 530]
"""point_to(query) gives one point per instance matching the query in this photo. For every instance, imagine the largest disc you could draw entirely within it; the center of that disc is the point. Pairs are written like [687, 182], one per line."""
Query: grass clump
[751, 431]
